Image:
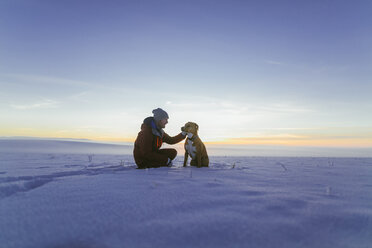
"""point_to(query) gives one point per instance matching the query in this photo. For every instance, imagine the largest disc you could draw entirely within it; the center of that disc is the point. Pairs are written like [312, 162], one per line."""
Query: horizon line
[226, 142]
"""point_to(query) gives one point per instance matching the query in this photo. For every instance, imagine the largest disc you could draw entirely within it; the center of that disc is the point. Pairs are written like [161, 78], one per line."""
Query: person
[147, 152]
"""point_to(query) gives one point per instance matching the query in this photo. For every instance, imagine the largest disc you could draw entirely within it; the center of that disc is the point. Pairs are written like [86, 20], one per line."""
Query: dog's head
[190, 127]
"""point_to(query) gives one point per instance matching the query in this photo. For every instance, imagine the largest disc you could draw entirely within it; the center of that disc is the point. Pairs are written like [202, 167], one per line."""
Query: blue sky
[260, 72]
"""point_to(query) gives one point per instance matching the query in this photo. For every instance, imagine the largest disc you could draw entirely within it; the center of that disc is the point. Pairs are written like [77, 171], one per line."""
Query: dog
[194, 146]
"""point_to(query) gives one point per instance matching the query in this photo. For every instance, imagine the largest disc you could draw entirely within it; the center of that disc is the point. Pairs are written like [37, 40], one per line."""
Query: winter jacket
[149, 141]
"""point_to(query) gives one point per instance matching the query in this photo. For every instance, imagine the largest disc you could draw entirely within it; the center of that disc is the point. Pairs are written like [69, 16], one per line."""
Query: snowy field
[101, 200]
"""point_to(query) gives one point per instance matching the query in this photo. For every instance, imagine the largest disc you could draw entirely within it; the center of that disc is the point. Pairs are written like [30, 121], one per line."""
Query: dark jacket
[149, 141]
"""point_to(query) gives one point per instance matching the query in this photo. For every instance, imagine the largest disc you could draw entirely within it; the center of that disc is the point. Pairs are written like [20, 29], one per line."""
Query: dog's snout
[182, 129]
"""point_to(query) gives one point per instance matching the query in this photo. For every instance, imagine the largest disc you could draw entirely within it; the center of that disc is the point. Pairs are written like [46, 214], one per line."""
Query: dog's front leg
[185, 159]
[198, 158]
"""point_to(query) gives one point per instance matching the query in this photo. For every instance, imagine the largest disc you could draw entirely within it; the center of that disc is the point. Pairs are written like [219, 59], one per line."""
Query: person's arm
[173, 140]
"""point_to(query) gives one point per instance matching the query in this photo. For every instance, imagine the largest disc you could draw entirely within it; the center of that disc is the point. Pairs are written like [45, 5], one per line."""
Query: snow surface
[77, 200]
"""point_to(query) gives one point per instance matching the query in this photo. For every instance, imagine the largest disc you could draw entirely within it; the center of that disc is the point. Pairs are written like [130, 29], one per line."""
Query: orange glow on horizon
[346, 142]
[50, 134]
[276, 140]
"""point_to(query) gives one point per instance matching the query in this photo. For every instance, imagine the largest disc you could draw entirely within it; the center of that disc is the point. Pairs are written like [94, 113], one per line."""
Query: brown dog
[194, 146]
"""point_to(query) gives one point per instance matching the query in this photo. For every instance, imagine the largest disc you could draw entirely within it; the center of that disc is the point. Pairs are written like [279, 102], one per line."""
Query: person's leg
[169, 152]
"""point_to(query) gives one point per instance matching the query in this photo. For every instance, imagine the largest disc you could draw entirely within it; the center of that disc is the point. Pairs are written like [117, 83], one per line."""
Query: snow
[70, 200]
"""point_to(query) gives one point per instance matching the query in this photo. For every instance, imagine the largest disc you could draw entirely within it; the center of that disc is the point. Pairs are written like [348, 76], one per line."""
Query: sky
[294, 73]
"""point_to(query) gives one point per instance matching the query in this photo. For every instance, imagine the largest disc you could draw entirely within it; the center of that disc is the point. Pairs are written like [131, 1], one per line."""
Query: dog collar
[190, 136]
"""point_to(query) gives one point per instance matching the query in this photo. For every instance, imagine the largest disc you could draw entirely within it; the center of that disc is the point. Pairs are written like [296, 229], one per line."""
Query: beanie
[159, 114]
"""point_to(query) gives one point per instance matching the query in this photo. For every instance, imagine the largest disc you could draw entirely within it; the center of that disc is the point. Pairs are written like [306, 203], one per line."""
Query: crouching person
[147, 152]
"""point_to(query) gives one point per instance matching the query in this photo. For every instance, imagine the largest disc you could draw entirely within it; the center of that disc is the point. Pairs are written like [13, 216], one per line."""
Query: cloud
[238, 108]
[331, 68]
[45, 79]
[283, 108]
[81, 97]
[219, 119]
[123, 87]
[46, 103]
[272, 62]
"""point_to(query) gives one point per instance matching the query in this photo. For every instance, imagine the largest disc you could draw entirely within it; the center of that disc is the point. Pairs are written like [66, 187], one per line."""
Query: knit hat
[159, 114]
